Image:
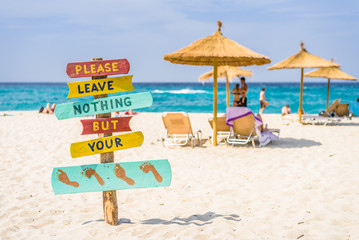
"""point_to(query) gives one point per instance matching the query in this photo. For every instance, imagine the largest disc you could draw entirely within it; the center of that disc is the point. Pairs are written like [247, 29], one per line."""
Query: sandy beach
[304, 186]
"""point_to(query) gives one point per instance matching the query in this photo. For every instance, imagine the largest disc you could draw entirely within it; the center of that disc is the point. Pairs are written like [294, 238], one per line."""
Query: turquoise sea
[188, 97]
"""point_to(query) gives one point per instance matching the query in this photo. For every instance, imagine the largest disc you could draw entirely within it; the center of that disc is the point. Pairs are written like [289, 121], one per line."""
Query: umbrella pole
[227, 90]
[328, 94]
[301, 96]
[215, 104]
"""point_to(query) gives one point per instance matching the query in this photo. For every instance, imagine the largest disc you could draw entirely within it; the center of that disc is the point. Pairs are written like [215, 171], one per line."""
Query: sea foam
[181, 91]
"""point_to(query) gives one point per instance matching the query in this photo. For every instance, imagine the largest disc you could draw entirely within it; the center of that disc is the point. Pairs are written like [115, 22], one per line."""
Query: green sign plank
[100, 86]
[111, 176]
[103, 105]
[106, 144]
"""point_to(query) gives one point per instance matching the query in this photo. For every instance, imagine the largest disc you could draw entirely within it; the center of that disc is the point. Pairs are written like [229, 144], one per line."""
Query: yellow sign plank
[100, 86]
[107, 144]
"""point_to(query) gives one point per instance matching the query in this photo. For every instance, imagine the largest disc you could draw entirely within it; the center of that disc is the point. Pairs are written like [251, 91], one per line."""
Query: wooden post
[227, 89]
[215, 104]
[301, 96]
[328, 94]
[110, 208]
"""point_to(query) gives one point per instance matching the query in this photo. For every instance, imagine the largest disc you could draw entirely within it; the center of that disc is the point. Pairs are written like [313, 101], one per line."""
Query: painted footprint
[121, 174]
[147, 167]
[62, 177]
[89, 172]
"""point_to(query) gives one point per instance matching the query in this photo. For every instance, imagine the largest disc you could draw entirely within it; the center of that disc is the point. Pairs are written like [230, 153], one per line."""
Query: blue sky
[39, 37]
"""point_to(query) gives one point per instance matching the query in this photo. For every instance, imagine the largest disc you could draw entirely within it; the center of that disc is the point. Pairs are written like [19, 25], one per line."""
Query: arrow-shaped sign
[103, 105]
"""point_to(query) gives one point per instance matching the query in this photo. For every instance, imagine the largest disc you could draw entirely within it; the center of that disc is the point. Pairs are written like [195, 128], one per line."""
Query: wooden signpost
[101, 86]
[107, 176]
[106, 125]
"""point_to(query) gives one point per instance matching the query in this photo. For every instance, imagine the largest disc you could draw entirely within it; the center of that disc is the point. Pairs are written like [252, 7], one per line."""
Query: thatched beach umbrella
[229, 73]
[330, 73]
[302, 60]
[215, 51]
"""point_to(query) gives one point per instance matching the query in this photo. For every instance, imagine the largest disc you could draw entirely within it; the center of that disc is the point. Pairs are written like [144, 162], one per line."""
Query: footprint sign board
[107, 176]
[111, 176]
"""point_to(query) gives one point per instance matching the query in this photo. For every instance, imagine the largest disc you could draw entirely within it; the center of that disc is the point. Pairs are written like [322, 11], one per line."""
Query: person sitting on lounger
[263, 127]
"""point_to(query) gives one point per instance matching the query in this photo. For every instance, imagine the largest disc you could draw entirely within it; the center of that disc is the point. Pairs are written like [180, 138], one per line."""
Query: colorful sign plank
[100, 86]
[103, 105]
[106, 125]
[97, 68]
[106, 144]
[111, 176]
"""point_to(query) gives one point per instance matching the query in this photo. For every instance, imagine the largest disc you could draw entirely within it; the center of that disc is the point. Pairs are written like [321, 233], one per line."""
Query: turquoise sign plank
[111, 176]
[103, 105]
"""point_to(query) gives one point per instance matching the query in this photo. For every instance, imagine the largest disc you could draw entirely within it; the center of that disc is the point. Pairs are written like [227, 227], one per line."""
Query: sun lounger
[223, 130]
[320, 120]
[342, 110]
[328, 117]
[179, 130]
[244, 127]
[328, 112]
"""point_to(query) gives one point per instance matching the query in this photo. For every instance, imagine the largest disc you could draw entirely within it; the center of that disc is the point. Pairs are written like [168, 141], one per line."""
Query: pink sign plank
[97, 68]
[105, 125]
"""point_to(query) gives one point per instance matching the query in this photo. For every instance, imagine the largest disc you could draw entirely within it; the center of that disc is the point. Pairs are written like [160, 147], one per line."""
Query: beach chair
[342, 110]
[179, 130]
[244, 131]
[328, 112]
[329, 116]
[223, 130]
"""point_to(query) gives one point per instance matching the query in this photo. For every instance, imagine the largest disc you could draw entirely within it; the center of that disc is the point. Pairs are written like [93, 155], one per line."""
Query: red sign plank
[98, 68]
[106, 125]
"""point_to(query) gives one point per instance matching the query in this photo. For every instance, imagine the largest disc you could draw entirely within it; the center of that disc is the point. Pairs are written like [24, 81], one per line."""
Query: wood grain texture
[111, 176]
[106, 144]
[97, 68]
[105, 125]
[100, 86]
[109, 198]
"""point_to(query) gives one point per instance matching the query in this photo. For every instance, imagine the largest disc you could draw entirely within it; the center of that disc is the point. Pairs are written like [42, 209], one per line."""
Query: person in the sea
[262, 101]
[286, 110]
[48, 109]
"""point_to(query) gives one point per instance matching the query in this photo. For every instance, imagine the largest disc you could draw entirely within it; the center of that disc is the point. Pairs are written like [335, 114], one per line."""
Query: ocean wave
[182, 91]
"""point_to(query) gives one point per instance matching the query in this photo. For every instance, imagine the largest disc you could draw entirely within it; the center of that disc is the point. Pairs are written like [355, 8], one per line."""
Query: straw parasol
[229, 72]
[215, 51]
[330, 73]
[302, 60]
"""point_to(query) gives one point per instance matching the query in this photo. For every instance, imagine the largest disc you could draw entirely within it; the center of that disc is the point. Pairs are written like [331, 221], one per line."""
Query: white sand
[305, 186]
